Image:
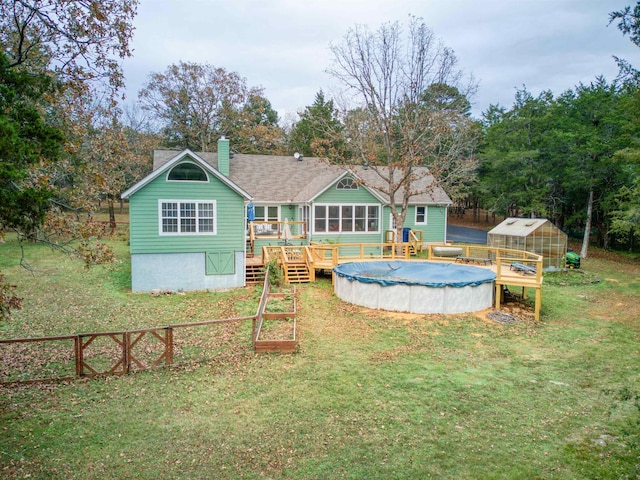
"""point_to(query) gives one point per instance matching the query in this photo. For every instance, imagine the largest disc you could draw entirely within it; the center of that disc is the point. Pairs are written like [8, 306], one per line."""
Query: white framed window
[187, 172]
[187, 217]
[421, 215]
[267, 213]
[346, 218]
[347, 183]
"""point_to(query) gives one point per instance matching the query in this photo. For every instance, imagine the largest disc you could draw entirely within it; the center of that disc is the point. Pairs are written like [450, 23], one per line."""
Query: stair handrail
[308, 260]
[284, 261]
[306, 257]
[415, 239]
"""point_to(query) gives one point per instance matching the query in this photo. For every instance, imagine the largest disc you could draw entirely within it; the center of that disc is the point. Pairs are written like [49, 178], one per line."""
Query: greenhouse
[537, 235]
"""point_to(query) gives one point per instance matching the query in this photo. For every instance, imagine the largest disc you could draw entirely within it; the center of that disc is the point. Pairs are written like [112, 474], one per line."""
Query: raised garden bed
[277, 327]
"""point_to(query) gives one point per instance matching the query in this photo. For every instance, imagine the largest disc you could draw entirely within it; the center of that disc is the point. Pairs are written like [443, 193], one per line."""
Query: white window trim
[426, 215]
[266, 211]
[206, 174]
[353, 184]
[340, 231]
[270, 228]
[181, 234]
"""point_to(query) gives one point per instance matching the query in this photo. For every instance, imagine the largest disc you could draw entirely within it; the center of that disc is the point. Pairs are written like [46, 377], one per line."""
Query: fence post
[127, 351]
[76, 344]
[253, 333]
[169, 340]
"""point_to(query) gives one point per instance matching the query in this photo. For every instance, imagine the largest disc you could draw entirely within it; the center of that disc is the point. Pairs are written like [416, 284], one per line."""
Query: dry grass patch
[615, 306]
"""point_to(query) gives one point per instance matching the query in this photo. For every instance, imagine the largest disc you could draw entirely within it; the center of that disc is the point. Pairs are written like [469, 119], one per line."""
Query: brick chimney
[223, 156]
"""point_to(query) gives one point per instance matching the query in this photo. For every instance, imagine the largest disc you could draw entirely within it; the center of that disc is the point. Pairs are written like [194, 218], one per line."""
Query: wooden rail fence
[67, 357]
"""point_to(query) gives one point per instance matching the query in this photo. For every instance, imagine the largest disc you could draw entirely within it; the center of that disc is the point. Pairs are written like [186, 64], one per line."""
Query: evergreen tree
[514, 173]
[27, 138]
[319, 132]
[558, 157]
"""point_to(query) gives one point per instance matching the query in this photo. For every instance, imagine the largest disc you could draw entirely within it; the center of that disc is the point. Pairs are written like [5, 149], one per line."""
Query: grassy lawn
[370, 394]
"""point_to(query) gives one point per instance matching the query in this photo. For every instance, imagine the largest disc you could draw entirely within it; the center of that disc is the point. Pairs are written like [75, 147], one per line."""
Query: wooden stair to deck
[254, 273]
[298, 272]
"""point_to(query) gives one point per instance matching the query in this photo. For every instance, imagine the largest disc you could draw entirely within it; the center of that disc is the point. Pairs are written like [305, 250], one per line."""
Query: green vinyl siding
[333, 195]
[348, 237]
[144, 217]
[432, 231]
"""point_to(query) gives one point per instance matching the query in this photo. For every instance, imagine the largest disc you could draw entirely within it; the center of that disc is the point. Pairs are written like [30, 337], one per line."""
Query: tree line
[67, 143]
[571, 158]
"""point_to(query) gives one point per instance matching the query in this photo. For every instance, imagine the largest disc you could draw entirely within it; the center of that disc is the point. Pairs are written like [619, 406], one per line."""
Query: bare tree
[412, 107]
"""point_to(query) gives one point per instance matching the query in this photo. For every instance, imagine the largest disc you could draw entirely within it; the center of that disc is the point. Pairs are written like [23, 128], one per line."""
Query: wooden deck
[499, 260]
[502, 261]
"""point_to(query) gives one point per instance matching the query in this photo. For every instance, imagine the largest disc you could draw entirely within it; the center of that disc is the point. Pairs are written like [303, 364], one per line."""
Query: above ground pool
[416, 287]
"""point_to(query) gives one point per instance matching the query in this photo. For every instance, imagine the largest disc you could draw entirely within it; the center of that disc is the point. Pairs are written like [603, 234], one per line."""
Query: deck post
[538, 303]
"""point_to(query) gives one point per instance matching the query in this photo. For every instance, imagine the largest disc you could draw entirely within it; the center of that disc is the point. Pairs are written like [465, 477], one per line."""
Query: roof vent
[298, 156]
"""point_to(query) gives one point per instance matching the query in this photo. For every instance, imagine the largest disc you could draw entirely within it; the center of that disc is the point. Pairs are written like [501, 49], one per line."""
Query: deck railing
[330, 255]
[276, 229]
[505, 259]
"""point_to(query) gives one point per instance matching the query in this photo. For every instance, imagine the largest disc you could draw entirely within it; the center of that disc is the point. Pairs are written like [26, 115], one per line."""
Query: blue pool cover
[428, 274]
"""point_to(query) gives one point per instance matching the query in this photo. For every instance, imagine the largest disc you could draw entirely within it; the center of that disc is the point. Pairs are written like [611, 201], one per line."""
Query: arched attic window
[347, 183]
[189, 172]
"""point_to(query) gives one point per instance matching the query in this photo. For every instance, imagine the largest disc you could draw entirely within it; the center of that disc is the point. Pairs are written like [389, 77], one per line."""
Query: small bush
[276, 275]
[8, 299]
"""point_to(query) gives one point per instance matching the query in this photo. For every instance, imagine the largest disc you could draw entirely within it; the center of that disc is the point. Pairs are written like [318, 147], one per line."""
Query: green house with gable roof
[187, 223]
[188, 217]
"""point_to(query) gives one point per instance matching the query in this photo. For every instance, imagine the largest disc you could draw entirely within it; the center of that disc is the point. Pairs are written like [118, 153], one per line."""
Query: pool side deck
[505, 276]
[503, 262]
[513, 268]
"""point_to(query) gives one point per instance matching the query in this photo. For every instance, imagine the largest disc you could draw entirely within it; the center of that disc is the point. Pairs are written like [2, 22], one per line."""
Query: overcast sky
[283, 45]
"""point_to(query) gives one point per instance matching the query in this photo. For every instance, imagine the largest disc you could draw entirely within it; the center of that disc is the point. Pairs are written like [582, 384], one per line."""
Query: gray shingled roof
[426, 189]
[283, 179]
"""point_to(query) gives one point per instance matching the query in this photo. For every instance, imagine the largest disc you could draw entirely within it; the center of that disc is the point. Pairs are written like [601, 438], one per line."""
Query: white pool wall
[415, 298]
